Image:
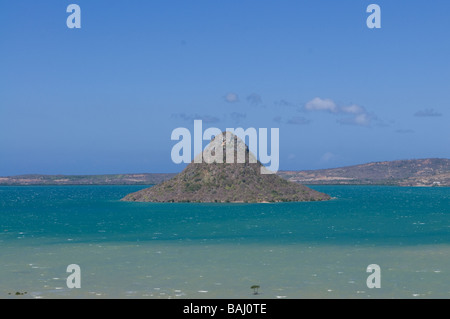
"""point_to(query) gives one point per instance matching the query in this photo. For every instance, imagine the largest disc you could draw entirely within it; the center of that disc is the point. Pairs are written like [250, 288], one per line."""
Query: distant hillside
[418, 172]
[119, 179]
[243, 181]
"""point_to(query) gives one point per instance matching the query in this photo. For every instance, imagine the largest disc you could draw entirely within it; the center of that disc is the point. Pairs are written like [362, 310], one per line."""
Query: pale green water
[292, 250]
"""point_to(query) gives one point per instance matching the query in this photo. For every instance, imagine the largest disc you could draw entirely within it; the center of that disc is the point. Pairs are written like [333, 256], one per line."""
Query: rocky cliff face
[209, 178]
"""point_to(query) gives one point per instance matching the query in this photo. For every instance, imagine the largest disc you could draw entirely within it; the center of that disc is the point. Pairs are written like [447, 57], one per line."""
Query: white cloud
[356, 114]
[318, 104]
[231, 97]
[353, 109]
[363, 119]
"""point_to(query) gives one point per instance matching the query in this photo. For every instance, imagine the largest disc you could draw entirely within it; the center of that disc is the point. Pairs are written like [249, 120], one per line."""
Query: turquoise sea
[291, 250]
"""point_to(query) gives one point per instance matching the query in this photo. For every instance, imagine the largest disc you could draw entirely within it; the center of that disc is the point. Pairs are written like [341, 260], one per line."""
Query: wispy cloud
[278, 119]
[363, 119]
[327, 157]
[427, 113]
[255, 99]
[237, 117]
[284, 102]
[404, 131]
[353, 109]
[298, 120]
[191, 117]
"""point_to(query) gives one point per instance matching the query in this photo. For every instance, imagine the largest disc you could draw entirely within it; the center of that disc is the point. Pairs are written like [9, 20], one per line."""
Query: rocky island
[242, 181]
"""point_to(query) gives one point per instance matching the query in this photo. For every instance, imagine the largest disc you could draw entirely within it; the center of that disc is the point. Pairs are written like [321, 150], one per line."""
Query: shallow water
[292, 250]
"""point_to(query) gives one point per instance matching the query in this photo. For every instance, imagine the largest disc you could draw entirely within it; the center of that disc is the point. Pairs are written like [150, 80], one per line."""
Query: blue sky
[105, 98]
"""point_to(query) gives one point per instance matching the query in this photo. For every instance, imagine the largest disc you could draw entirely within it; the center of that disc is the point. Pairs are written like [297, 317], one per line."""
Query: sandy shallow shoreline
[148, 270]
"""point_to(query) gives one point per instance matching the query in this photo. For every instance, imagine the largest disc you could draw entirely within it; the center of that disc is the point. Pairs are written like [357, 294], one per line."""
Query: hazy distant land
[113, 179]
[417, 172]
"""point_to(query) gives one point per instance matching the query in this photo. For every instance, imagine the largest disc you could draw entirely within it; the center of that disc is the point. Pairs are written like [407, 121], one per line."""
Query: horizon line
[281, 170]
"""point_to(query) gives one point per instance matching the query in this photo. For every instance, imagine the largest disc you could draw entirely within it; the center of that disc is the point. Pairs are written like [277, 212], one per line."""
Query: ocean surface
[291, 250]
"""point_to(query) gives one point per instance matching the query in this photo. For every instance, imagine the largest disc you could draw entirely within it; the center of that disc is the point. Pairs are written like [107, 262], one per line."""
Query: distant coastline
[108, 179]
[429, 172]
